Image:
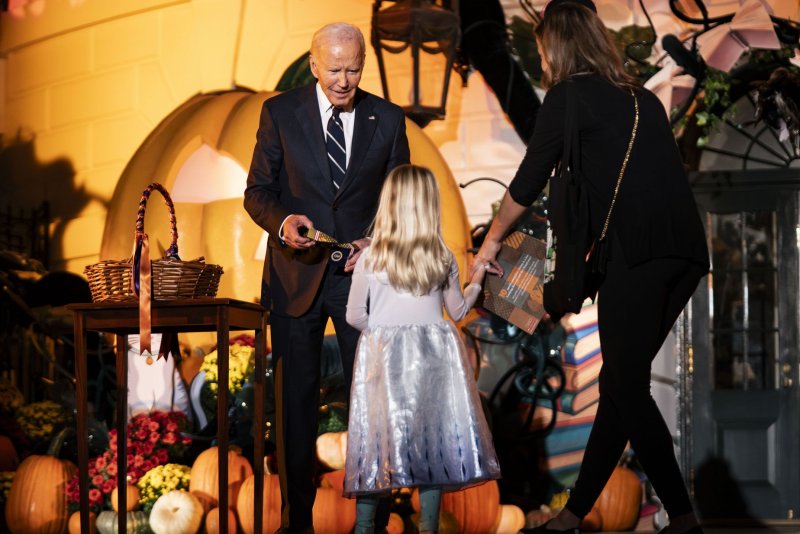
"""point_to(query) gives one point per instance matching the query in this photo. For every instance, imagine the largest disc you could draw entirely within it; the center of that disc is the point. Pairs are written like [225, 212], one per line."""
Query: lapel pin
[372, 117]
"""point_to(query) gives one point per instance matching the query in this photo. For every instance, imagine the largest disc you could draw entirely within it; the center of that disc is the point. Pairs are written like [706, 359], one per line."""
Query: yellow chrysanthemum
[160, 480]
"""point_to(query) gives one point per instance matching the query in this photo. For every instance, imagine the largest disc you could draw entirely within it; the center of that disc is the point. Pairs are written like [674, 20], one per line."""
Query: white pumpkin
[176, 512]
[332, 449]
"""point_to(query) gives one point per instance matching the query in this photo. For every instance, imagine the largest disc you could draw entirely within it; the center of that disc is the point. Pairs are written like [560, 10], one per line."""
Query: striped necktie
[335, 144]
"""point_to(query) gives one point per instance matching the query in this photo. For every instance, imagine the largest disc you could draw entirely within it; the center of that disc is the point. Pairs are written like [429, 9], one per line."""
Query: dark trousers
[296, 350]
[637, 308]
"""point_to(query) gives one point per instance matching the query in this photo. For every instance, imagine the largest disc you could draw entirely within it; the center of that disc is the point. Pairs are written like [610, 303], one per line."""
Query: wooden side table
[195, 315]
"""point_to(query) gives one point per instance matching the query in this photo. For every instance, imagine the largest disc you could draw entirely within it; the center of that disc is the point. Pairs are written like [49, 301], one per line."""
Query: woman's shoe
[542, 529]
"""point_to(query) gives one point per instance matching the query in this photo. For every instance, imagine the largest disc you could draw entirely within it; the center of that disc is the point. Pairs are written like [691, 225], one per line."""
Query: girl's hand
[478, 274]
[485, 261]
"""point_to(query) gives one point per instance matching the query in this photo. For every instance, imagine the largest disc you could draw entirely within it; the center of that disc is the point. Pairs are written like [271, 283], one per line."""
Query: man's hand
[291, 232]
[351, 261]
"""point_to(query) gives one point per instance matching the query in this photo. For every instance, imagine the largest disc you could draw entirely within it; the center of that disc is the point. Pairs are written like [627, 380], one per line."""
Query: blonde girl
[415, 414]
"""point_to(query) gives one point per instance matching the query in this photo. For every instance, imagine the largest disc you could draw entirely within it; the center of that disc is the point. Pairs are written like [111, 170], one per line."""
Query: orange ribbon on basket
[145, 297]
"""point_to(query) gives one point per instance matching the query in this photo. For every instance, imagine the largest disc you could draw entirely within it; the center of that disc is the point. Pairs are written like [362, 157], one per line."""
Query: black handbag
[580, 259]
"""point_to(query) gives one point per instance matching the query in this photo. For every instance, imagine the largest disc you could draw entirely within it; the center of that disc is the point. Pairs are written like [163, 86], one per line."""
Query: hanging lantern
[427, 31]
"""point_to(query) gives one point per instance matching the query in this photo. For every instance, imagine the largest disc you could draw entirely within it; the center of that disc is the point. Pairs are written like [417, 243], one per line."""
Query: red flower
[95, 495]
[154, 437]
[100, 462]
[98, 480]
[169, 438]
[109, 485]
[153, 426]
[112, 468]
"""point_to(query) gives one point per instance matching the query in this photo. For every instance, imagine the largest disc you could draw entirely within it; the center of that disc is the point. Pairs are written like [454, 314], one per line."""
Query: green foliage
[716, 104]
[296, 75]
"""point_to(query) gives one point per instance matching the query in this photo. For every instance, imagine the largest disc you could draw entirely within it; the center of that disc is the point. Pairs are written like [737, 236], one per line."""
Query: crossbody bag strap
[624, 164]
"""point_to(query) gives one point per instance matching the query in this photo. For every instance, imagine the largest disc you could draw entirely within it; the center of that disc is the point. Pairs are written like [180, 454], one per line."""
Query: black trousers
[637, 308]
[296, 351]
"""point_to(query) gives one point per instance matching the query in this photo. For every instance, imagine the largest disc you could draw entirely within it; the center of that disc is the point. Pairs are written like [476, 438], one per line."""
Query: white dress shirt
[348, 120]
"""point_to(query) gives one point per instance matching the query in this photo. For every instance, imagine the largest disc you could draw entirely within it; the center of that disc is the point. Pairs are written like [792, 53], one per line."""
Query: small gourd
[132, 496]
[332, 449]
[74, 526]
[212, 521]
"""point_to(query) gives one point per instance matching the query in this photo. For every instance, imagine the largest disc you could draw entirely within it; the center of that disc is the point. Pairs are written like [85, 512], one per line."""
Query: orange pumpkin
[332, 513]
[592, 522]
[475, 509]
[204, 482]
[37, 501]
[620, 500]
[132, 497]
[396, 525]
[271, 504]
[8, 455]
[333, 479]
[74, 526]
[212, 521]
[510, 520]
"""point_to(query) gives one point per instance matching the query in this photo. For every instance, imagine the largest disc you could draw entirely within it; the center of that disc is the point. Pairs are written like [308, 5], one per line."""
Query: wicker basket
[113, 281]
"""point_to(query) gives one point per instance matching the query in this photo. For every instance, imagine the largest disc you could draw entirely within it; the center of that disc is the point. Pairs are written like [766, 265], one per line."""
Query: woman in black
[657, 246]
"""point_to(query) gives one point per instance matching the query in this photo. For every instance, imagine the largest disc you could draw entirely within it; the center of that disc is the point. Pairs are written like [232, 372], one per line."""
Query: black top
[655, 215]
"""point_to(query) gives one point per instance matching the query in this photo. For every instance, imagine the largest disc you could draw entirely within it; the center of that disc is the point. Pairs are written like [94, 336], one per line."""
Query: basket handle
[172, 251]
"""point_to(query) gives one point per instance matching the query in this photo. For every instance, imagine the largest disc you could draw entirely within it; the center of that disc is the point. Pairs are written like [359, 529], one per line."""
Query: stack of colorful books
[577, 406]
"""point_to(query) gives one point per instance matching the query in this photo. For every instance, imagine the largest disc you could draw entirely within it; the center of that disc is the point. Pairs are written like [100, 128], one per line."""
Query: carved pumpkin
[37, 501]
[475, 509]
[74, 526]
[271, 504]
[176, 512]
[132, 497]
[212, 521]
[332, 449]
[619, 502]
[510, 520]
[204, 482]
[332, 513]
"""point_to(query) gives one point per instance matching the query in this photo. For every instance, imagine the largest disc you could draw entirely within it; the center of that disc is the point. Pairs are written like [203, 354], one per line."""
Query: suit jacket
[290, 174]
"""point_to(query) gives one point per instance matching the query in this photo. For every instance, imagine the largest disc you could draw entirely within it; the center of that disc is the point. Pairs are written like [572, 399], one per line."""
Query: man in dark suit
[321, 157]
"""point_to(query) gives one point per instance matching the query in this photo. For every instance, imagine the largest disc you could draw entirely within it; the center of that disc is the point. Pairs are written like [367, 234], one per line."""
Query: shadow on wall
[718, 494]
[27, 182]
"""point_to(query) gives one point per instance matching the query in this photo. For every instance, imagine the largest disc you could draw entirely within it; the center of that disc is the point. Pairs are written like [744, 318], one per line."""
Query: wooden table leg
[258, 427]
[82, 405]
[223, 353]
[121, 355]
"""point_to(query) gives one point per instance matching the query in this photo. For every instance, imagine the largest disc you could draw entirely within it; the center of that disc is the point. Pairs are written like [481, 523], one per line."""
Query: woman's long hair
[573, 40]
[407, 234]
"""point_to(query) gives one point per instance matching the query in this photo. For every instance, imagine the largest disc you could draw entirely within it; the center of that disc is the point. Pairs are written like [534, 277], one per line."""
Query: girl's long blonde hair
[574, 40]
[407, 233]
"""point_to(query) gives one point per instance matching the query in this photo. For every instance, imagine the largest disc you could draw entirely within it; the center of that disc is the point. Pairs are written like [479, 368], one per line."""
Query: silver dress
[415, 414]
